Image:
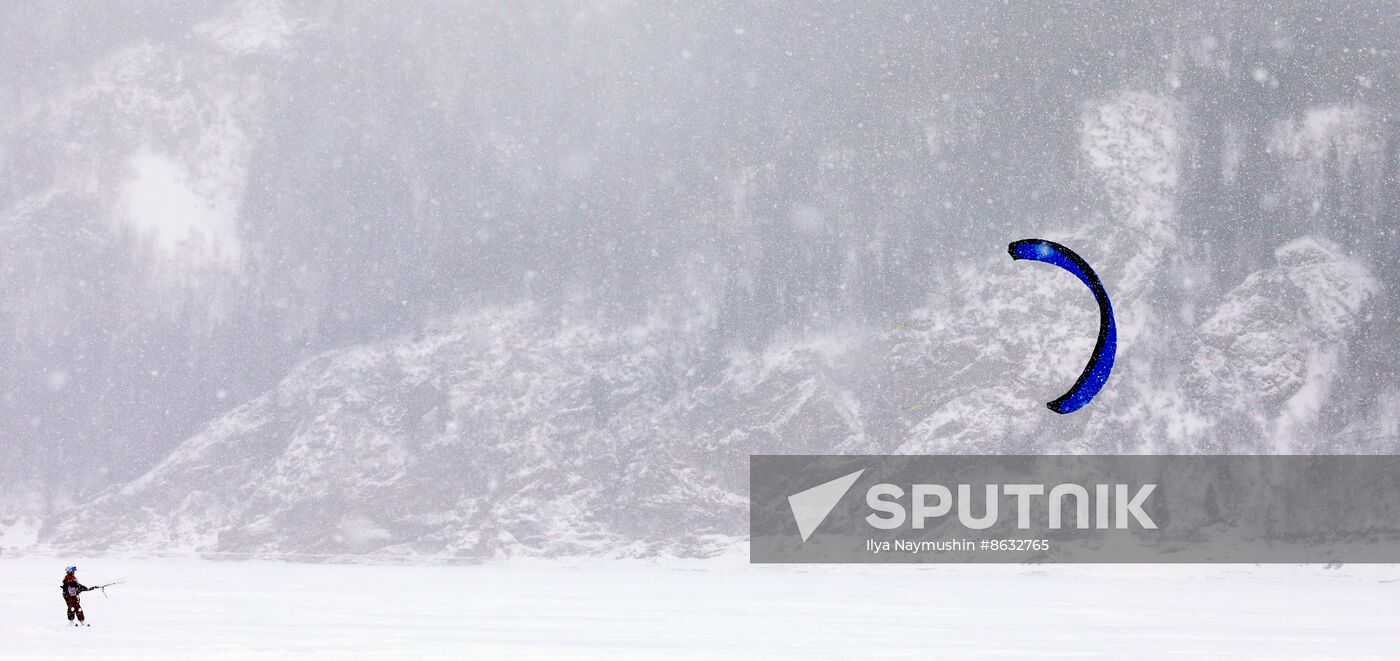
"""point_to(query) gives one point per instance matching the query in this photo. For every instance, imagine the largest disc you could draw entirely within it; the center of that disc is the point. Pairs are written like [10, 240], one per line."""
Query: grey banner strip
[967, 508]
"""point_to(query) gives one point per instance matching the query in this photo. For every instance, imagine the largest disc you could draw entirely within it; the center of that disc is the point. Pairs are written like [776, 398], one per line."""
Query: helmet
[71, 569]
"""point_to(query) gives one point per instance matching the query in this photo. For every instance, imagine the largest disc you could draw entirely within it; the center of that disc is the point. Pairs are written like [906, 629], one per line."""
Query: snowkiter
[71, 591]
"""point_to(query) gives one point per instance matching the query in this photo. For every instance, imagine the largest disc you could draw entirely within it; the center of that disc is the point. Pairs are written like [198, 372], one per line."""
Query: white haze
[489, 280]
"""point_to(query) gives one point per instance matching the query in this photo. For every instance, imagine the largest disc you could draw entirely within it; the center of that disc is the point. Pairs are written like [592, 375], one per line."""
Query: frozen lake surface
[190, 608]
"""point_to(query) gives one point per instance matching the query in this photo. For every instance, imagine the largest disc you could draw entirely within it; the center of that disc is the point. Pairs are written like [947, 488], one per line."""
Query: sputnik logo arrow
[811, 507]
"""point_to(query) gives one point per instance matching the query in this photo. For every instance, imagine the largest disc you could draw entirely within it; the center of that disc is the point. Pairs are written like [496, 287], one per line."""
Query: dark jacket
[71, 587]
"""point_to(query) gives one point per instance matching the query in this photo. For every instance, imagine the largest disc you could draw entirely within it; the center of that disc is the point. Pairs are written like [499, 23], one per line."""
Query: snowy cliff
[491, 279]
[516, 430]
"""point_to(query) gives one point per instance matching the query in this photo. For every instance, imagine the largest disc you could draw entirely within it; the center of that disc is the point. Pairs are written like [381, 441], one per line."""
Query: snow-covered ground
[186, 608]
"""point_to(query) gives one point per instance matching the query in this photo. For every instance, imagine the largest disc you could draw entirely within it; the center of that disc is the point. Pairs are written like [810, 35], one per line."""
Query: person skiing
[71, 591]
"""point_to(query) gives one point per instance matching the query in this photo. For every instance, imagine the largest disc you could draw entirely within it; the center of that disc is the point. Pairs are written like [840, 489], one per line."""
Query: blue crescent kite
[1101, 362]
